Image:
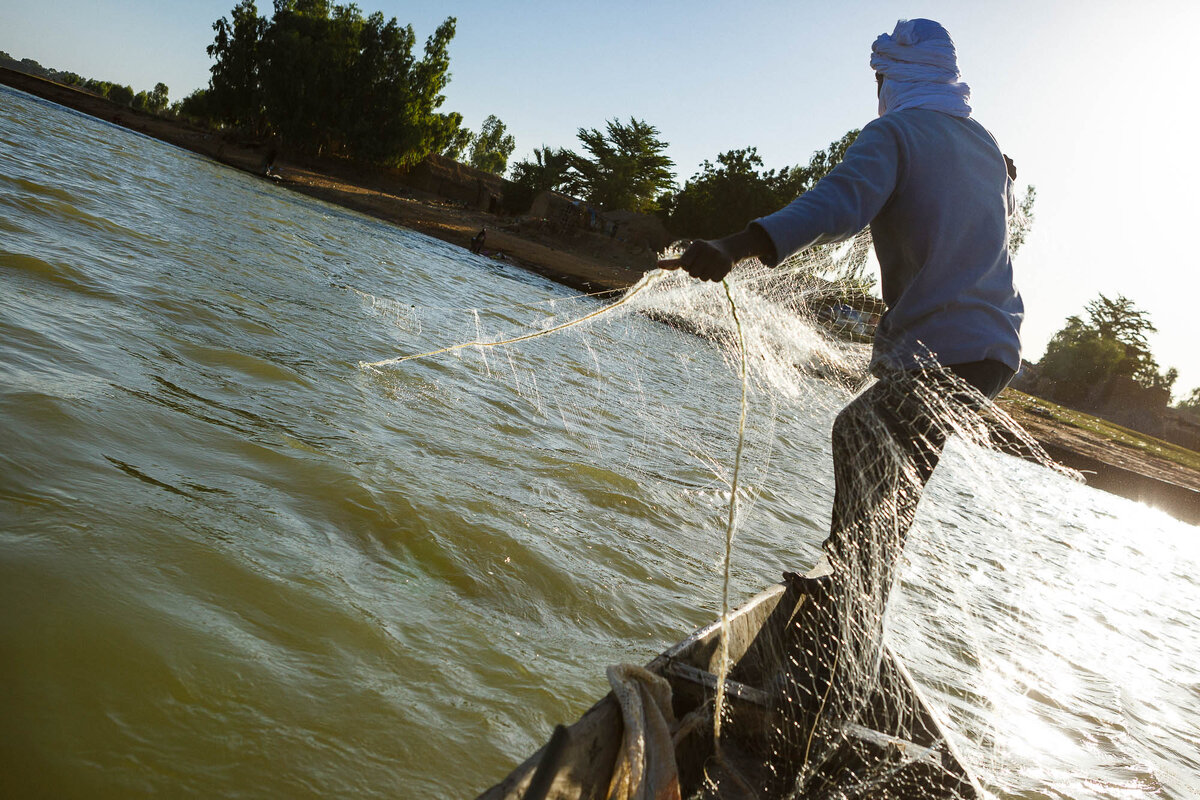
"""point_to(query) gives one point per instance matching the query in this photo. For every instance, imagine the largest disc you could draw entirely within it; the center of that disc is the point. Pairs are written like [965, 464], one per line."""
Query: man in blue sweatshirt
[936, 191]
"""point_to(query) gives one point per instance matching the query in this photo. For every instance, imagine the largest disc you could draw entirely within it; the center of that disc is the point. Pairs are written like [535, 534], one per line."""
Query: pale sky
[1094, 100]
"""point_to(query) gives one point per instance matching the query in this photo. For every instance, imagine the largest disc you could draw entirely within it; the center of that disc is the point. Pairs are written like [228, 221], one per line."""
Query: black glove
[707, 260]
[711, 259]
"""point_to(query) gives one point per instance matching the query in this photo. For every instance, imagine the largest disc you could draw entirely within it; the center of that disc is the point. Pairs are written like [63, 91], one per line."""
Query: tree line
[153, 101]
[626, 167]
[322, 78]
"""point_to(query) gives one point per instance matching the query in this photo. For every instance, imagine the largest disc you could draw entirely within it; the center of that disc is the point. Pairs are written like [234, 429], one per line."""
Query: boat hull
[774, 741]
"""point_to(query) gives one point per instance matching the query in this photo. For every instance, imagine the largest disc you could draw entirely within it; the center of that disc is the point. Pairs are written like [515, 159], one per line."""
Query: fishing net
[826, 710]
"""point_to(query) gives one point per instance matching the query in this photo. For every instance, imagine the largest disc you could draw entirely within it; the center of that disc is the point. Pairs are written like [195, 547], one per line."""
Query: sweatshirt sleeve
[844, 201]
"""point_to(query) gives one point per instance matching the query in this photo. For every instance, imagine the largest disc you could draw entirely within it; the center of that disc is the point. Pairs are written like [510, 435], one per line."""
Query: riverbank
[593, 263]
[1112, 459]
[583, 261]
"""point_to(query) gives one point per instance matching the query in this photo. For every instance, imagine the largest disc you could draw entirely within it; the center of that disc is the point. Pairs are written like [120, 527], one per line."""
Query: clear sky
[1095, 101]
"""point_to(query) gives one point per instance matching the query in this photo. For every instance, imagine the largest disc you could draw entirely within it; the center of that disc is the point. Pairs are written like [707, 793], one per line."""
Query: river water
[234, 562]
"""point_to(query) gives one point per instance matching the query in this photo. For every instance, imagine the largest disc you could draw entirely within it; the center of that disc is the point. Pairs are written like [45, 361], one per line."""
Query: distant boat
[895, 748]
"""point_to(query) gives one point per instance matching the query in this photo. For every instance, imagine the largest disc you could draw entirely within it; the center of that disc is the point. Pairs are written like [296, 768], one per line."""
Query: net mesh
[836, 715]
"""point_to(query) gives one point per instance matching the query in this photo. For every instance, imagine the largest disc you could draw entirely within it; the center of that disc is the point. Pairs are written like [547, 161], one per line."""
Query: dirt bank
[1113, 466]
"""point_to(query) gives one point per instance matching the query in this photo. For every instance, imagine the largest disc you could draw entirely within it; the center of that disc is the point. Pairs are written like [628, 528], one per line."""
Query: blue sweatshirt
[935, 190]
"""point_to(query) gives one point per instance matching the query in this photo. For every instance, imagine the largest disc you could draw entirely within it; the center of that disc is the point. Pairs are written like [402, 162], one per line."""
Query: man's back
[936, 192]
[941, 238]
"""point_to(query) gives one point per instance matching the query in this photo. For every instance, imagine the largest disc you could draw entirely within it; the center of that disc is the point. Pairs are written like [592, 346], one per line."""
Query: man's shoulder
[924, 124]
[921, 117]
[900, 124]
[878, 131]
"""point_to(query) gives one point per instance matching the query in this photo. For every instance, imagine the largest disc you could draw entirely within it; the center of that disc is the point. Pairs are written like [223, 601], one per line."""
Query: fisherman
[272, 154]
[477, 241]
[936, 191]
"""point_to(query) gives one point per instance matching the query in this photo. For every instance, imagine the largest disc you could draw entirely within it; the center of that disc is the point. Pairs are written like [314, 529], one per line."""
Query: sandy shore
[593, 263]
[583, 261]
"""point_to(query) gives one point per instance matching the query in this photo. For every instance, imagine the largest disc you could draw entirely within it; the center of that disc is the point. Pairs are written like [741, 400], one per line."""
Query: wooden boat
[779, 736]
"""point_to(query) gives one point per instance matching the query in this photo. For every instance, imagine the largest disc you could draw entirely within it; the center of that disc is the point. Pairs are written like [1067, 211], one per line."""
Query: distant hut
[460, 183]
[559, 210]
[637, 230]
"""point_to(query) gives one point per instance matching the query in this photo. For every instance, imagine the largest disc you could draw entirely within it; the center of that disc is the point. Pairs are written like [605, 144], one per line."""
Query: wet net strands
[828, 738]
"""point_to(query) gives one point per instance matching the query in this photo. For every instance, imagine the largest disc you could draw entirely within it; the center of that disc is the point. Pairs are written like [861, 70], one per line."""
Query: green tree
[413, 127]
[1021, 220]
[159, 97]
[326, 79]
[154, 101]
[1078, 359]
[1110, 343]
[459, 143]
[1191, 402]
[121, 95]
[721, 198]
[627, 169]
[1121, 321]
[28, 65]
[195, 105]
[235, 93]
[549, 170]
[303, 75]
[492, 147]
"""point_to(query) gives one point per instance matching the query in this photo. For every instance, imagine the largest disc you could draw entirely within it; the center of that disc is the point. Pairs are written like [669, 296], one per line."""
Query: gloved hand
[703, 259]
[711, 259]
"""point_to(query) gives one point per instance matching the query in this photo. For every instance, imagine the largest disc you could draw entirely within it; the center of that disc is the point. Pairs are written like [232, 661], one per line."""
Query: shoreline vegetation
[1111, 458]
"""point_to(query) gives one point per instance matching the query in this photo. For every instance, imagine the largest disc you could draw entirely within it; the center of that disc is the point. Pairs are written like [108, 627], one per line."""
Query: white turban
[920, 69]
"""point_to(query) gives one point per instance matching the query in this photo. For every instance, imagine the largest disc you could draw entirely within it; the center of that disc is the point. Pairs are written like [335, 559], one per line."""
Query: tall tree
[1120, 319]
[627, 169]
[1112, 342]
[326, 79]
[458, 144]
[1078, 359]
[492, 147]
[391, 107]
[159, 97]
[234, 93]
